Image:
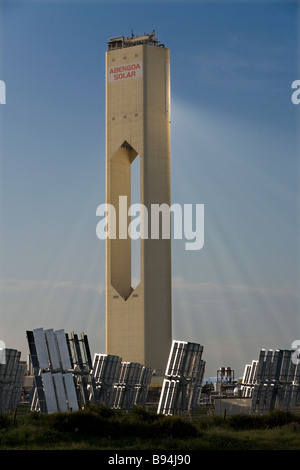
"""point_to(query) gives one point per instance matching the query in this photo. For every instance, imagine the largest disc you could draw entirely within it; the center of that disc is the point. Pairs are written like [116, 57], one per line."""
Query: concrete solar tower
[138, 320]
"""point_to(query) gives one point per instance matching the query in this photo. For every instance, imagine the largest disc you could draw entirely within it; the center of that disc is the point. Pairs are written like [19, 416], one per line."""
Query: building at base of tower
[138, 320]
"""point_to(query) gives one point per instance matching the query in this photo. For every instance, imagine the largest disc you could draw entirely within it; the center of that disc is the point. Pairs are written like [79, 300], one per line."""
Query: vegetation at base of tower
[98, 427]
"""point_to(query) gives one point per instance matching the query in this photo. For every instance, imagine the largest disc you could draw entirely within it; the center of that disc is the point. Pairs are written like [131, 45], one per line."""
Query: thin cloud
[179, 283]
[30, 285]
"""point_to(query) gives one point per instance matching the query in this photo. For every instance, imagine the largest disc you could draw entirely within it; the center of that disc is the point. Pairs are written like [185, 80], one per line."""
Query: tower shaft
[138, 321]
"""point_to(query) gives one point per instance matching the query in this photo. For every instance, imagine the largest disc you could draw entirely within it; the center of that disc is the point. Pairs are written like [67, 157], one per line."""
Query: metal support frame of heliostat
[61, 367]
[272, 381]
[183, 379]
[12, 372]
[119, 384]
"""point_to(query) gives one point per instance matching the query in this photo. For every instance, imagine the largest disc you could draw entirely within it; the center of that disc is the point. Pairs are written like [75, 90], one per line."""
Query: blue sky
[234, 148]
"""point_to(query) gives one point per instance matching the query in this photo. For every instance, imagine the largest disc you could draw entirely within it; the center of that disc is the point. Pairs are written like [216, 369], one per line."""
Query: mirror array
[66, 379]
[272, 381]
[183, 379]
[61, 367]
[118, 384]
[12, 372]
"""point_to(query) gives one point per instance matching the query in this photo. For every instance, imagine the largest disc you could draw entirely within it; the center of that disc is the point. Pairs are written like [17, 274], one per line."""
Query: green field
[99, 428]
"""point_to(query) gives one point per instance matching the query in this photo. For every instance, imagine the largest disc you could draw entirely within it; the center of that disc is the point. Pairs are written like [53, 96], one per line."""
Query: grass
[99, 428]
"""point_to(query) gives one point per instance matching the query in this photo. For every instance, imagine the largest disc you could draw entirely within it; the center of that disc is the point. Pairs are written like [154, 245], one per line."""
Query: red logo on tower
[125, 72]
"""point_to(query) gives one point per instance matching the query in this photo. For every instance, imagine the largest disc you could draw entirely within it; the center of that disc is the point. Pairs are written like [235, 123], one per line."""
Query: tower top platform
[120, 42]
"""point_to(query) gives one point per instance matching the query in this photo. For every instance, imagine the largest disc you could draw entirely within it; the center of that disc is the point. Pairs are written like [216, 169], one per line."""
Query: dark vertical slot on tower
[135, 244]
